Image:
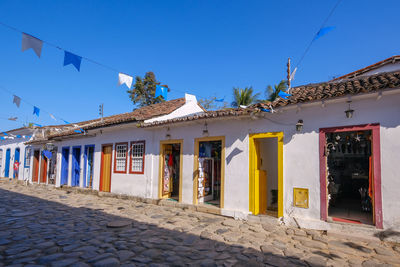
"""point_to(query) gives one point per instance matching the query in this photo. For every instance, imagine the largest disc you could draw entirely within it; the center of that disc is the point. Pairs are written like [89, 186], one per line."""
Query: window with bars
[121, 152]
[137, 157]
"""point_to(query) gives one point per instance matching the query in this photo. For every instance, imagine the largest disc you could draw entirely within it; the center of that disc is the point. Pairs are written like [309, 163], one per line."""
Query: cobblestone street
[44, 226]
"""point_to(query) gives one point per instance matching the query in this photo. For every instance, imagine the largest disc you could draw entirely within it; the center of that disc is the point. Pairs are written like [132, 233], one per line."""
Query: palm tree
[243, 97]
[272, 93]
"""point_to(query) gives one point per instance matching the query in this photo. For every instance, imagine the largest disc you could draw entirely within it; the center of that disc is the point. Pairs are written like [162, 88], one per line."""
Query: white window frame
[137, 159]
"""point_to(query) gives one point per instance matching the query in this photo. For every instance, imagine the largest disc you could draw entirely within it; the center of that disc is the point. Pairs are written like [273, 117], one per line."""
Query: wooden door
[43, 170]
[35, 173]
[105, 175]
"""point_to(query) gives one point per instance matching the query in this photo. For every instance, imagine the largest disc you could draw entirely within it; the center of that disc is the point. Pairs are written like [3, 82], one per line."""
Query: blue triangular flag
[18, 136]
[2, 138]
[38, 125]
[36, 110]
[324, 31]
[220, 100]
[161, 91]
[265, 110]
[73, 59]
[5, 133]
[283, 95]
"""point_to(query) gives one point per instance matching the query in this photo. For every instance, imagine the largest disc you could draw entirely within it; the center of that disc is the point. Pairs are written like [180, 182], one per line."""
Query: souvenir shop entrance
[208, 187]
[170, 177]
[352, 175]
[266, 174]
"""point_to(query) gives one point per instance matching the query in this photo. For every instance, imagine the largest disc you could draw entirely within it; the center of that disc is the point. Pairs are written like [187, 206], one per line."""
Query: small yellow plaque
[300, 197]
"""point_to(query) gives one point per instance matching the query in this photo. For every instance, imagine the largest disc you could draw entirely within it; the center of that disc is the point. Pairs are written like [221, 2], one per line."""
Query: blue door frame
[85, 180]
[64, 166]
[76, 162]
[16, 158]
[7, 165]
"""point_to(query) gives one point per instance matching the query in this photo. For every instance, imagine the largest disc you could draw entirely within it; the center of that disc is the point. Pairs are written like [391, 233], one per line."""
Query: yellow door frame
[161, 169]
[196, 167]
[254, 186]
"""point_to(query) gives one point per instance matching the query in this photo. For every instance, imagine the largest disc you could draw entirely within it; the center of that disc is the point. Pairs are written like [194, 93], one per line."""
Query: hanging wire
[86, 58]
[315, 35]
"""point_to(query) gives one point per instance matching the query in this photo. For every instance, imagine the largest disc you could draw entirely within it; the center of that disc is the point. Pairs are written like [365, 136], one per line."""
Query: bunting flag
[18, 136]
[38, 125]
[283, 95]
[220, 100]
[78, 131]
[2, 138]
[161, 91]
[125, 79]
[16, 100]
[293, 73]
[265, 110]
[73, 59]
[12, 118]
[28, 41]
[36, 111]
[66, 122]
[324, 31]
[5, 133]
[52, 116]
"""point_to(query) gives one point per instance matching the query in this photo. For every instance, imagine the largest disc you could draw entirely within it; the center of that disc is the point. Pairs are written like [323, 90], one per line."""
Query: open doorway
[171, 170]
[349, 176]
[266, 174]
[209, 170]
[89, 165]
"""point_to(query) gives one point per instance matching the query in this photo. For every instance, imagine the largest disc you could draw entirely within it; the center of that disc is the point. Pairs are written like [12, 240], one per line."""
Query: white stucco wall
[300, 154]
[12, 144]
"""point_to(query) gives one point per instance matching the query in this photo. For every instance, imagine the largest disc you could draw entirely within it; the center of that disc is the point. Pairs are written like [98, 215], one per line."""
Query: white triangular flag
[52, 116]
[125, 79]
[293, 73]
[28, 41]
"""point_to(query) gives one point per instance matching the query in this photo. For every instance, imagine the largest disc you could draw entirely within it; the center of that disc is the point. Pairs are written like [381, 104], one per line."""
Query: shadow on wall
[33, 230]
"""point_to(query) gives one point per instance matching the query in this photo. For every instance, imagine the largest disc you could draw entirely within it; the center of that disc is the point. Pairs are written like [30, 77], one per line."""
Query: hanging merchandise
[28, 41]
[167, 177]
[125, 79]
[73, 59]
[16, 100]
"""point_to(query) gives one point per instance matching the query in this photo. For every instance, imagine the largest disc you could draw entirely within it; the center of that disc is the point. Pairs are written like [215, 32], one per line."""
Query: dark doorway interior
[171, 173]
[350, 181]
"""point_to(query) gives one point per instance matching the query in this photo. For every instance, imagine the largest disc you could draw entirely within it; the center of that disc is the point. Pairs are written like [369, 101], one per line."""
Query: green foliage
[144, 89]
[272, 93]
[244, 97]
[211, 104]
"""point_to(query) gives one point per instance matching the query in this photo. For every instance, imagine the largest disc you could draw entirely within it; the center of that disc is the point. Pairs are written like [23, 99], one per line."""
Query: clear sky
[204, 47]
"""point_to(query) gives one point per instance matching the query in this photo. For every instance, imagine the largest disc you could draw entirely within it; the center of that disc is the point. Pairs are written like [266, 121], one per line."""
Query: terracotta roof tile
[320, 91]
[137, 115]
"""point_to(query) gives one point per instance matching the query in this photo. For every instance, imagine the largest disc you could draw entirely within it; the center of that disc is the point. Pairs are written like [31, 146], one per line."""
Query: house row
[327, 154]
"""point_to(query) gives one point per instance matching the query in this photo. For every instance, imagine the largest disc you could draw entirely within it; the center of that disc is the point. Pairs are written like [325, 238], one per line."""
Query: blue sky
[200, 47]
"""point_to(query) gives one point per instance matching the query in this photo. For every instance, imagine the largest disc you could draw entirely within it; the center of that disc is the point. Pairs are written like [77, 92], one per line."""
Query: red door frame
[376, 155]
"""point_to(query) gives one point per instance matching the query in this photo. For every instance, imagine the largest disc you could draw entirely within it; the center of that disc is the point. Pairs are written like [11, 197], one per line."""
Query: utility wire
[315, 35]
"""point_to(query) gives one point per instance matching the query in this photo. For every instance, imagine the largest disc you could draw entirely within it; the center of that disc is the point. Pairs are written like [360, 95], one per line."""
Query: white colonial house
[327, 154]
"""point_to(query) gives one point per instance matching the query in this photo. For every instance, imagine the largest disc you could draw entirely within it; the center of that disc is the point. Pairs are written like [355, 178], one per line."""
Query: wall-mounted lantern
[299, 126]
[205, 129]
[168, 135]
[349, 112]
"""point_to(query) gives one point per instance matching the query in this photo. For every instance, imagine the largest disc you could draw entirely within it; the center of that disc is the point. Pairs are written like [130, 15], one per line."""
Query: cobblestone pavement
[44, 226]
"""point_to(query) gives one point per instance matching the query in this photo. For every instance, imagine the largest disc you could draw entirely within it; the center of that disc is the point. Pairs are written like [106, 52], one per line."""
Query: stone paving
[43, 226]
